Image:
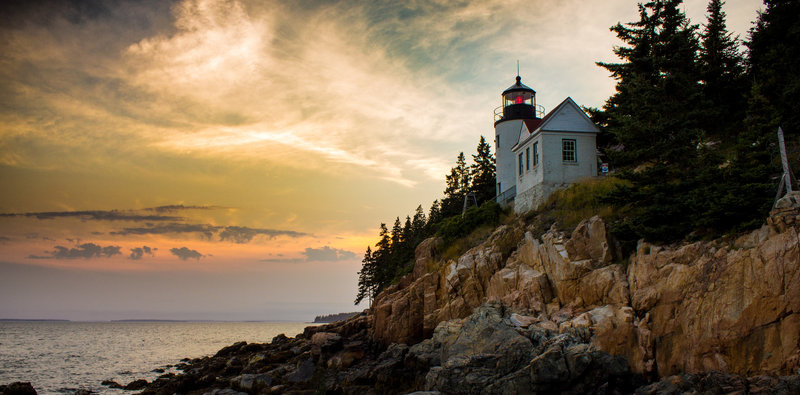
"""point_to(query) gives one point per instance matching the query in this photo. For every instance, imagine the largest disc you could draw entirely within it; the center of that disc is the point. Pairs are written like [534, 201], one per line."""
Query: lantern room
[519, 102]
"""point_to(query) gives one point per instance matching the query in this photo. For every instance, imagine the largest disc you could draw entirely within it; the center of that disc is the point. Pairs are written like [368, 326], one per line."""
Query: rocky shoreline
[492, 351]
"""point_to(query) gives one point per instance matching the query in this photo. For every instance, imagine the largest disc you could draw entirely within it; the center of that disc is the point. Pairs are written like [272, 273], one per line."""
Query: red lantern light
[518, 100]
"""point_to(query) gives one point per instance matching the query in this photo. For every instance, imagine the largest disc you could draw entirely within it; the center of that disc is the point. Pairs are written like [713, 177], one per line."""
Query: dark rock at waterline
[484, 353]
[17, 388]
[136, 385]
[112, 384]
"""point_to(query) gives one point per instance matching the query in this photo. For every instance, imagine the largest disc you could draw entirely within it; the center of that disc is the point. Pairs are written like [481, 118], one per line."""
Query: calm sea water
[62, 357]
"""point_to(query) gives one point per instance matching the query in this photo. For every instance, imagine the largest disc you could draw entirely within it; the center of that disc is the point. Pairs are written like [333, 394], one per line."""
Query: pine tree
[382, 256]
[722, 72]
[655, 116]
[773, 61]
[483, 173]
[434, 215]
[418, 224]
[457, 186]
[366, 278]
[655, 113]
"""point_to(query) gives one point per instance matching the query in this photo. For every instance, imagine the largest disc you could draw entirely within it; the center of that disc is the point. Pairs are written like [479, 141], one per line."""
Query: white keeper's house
[536, 153]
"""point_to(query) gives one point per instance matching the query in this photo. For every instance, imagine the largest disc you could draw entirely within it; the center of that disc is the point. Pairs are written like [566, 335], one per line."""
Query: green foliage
[774, 59]
[483, 173]
[568, 207]
[722, 73]
[393, 256]
[694, 166]
[461, 225]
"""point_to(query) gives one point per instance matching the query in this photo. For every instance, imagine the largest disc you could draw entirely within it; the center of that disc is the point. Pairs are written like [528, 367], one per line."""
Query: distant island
[30, 319]
[334, 317]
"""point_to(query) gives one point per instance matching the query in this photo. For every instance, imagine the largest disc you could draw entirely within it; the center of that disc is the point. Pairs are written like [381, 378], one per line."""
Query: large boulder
[487, 353]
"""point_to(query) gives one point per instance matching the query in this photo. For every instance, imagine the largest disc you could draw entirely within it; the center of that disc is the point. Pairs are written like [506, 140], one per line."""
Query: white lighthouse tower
[519, 106]
[538, 154]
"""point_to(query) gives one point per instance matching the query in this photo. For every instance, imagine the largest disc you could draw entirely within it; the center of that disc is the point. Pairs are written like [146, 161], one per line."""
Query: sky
[232, 159]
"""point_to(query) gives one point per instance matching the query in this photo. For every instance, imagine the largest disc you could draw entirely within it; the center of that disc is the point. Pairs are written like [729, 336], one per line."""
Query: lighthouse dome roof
[518, 86]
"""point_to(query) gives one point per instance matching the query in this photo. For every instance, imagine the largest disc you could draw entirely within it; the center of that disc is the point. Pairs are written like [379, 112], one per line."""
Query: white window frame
[521, 169]
[569, 154]
[535, 154]
[527, 159]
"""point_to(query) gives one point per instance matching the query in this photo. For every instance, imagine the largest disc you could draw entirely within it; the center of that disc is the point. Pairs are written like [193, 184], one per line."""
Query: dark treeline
[692, 125]
[393, 255]
[334, 317]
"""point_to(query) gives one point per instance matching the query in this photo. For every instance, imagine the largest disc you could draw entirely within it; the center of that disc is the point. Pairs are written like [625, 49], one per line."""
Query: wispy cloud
[236, 234]
[85, 251]
[95, 215]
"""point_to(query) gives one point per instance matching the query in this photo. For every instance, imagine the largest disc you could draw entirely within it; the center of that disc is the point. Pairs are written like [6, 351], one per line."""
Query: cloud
[178, 207]
[324, 254]
[138, 252]
[94, 215]
[236, 234]
[185, 253]
[327, 254]
[171, 228]
[85, 251]
[243, 234]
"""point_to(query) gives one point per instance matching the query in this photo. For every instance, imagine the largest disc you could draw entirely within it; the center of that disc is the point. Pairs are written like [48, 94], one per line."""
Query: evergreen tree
[366, 278]
[434, 215]
[483, 173]
[457, 185]
[774, 61]
[655, 116]
[418, 224]
[722, 72]
[382, 255]
[655, 113]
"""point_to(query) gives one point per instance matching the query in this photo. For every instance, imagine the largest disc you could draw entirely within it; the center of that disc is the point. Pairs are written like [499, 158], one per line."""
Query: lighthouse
[519, 106]
[537, 153]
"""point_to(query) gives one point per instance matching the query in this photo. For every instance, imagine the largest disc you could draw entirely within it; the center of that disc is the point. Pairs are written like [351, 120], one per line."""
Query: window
[520, 164]
[568, 150]
[527, 158]
[536, 153]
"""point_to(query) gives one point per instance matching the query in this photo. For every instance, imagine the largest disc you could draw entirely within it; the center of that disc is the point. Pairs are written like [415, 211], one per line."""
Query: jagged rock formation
[731, 306]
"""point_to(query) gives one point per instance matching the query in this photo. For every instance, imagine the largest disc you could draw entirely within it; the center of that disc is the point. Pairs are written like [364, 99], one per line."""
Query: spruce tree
[655, 112]
[456, 187]
[382, 255]
[366, 278]
[722, 72]
[418, 224]
[655, 116]
[774, 61]
[434, 215]
[483, 173]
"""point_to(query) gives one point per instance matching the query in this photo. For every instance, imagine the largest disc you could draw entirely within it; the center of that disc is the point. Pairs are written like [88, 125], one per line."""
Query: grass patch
[459, 246]
[568, 207]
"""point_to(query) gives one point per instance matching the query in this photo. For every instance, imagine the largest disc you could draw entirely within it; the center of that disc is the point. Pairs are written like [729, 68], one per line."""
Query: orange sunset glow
[232, 160]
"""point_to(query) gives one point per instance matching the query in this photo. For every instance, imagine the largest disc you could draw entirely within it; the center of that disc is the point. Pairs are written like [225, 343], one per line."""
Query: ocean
[60, 357]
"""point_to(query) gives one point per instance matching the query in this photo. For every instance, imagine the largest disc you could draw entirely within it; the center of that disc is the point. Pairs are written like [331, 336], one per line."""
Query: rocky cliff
[724, 305]
[550, 313]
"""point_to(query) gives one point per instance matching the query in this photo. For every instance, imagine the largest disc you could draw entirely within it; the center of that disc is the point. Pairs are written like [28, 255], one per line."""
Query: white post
[787, 179]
